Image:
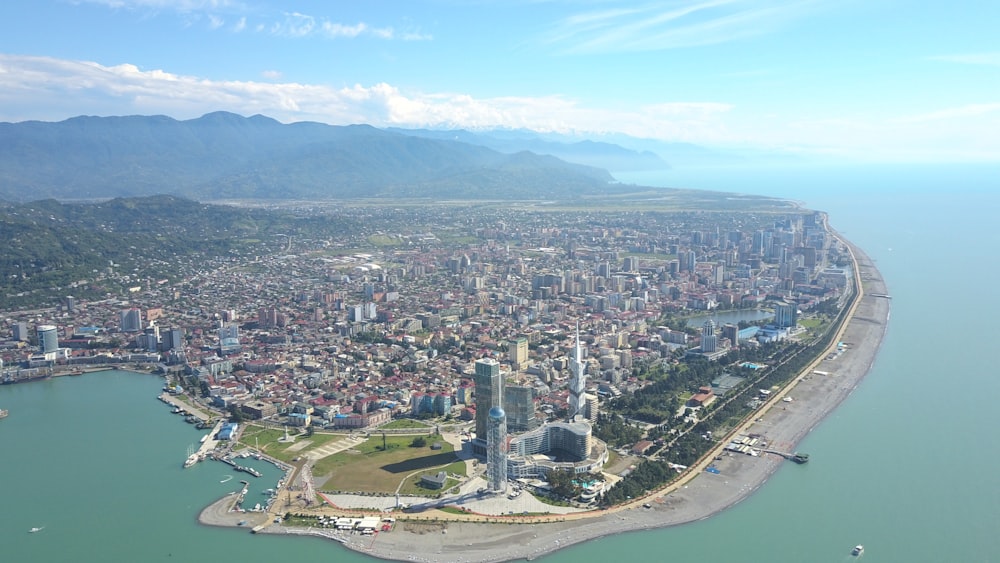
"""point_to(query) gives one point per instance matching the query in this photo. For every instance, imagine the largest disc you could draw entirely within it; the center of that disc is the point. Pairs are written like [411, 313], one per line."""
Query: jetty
[797, 457]
[230, 462]
[208, 444]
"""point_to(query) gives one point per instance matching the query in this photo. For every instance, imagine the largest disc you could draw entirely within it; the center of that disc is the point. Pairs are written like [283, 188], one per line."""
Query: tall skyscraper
[174, 339]
[130, 320]
[578, 381]
[709, 342]
[518, 353]
[21, 332]
[489, 392]
[48, 338]
[786, 314]
[732, 332]
[519, 404]
[496, 450]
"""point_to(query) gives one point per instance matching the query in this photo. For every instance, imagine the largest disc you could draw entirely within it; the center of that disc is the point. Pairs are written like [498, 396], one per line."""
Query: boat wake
[227, 479]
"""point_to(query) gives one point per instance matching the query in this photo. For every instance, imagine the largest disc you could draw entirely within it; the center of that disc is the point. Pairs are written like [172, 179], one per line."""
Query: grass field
[267, 439]
[368, 468]
[406, 423]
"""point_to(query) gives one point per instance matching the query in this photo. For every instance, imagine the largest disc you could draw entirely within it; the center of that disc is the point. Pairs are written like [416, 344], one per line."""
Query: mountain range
[226, 156]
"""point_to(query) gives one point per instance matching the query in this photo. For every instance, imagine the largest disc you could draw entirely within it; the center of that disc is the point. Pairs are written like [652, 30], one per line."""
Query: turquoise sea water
[906, 466]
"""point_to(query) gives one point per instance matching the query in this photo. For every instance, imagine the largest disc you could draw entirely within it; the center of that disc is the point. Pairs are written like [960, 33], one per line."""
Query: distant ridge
[591, 153]
[224, 155]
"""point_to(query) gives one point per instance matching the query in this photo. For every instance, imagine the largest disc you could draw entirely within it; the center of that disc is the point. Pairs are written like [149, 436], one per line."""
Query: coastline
[816, 392]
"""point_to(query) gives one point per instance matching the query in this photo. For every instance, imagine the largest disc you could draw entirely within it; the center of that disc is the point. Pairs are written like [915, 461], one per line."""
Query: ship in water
[3, 413]
[858, 550]
[191, 460]
[11, 376]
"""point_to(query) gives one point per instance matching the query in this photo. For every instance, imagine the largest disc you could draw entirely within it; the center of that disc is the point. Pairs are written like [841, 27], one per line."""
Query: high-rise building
[518, 353]
[151, 342]
[130, 320]
[173, 339]
[591, 409]
[519, 404]
[48, 338]
[496, 450]
[578, 380]
[489, 392]
[709, 342]
[21, 332]
[732, 332]
[229, 338]
[786, 314]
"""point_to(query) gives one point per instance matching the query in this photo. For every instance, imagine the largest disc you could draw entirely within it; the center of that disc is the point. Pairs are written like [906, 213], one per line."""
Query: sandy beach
[814, 394]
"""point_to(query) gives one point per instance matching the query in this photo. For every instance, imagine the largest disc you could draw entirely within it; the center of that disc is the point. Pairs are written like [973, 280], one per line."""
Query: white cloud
[990, 59]
[288, 24]
[658, 26]
[331, 29]
[960, 112]
[53, 89]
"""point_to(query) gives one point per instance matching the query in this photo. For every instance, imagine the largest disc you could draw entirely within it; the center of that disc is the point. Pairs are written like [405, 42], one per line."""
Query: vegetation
[404, 423]
[267, 439]
[367, 467]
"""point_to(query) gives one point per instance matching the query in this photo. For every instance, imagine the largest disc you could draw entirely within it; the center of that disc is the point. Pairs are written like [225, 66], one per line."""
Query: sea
[906, 466]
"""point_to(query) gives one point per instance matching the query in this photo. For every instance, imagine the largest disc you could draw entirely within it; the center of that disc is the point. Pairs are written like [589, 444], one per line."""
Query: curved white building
[531, 453]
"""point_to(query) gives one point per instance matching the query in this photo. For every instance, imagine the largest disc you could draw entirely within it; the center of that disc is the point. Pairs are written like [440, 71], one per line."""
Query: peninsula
[478, 380]
[788, 416]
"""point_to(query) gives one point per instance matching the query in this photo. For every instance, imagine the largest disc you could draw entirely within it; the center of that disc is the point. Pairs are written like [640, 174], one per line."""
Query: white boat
[858, 550]
[33, 530]
[191, 460]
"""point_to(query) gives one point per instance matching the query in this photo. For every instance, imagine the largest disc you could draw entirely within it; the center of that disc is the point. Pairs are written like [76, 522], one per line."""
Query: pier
[229, 461]
[796, 457]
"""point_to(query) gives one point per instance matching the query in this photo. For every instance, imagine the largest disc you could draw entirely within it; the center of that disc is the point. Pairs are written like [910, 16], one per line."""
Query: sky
[871, 80]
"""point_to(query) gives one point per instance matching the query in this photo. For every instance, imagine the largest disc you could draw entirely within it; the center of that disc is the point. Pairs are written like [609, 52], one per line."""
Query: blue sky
[878, 80]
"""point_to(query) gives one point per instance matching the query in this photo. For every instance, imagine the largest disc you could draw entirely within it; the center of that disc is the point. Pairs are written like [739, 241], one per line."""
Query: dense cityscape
[388, 323]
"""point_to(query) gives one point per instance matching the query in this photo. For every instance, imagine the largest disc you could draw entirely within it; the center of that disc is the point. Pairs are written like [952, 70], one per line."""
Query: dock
[797, 457]
[230, 462]
[187, 408]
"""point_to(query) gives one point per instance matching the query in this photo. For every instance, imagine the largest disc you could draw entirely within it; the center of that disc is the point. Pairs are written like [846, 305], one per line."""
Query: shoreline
[816, 392]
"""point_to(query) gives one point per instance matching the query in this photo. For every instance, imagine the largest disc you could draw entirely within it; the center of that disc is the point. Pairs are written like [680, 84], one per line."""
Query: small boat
[3, 413]
[191, 460]
[33, 530]
[858, 550]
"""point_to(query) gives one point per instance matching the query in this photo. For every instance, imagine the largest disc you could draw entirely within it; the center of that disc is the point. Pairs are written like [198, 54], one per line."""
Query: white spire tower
[578, 381]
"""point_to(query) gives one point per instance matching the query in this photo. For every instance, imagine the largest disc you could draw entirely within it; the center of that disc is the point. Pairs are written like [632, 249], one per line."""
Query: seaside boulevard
[439, 536]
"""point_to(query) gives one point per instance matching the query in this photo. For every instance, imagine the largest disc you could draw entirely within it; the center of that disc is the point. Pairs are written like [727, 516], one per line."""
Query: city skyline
[879, 82]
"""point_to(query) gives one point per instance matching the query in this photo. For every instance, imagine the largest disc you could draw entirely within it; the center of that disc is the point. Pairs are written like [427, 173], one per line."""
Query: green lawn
[267, 440]
[367, 467]
[406, 423]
